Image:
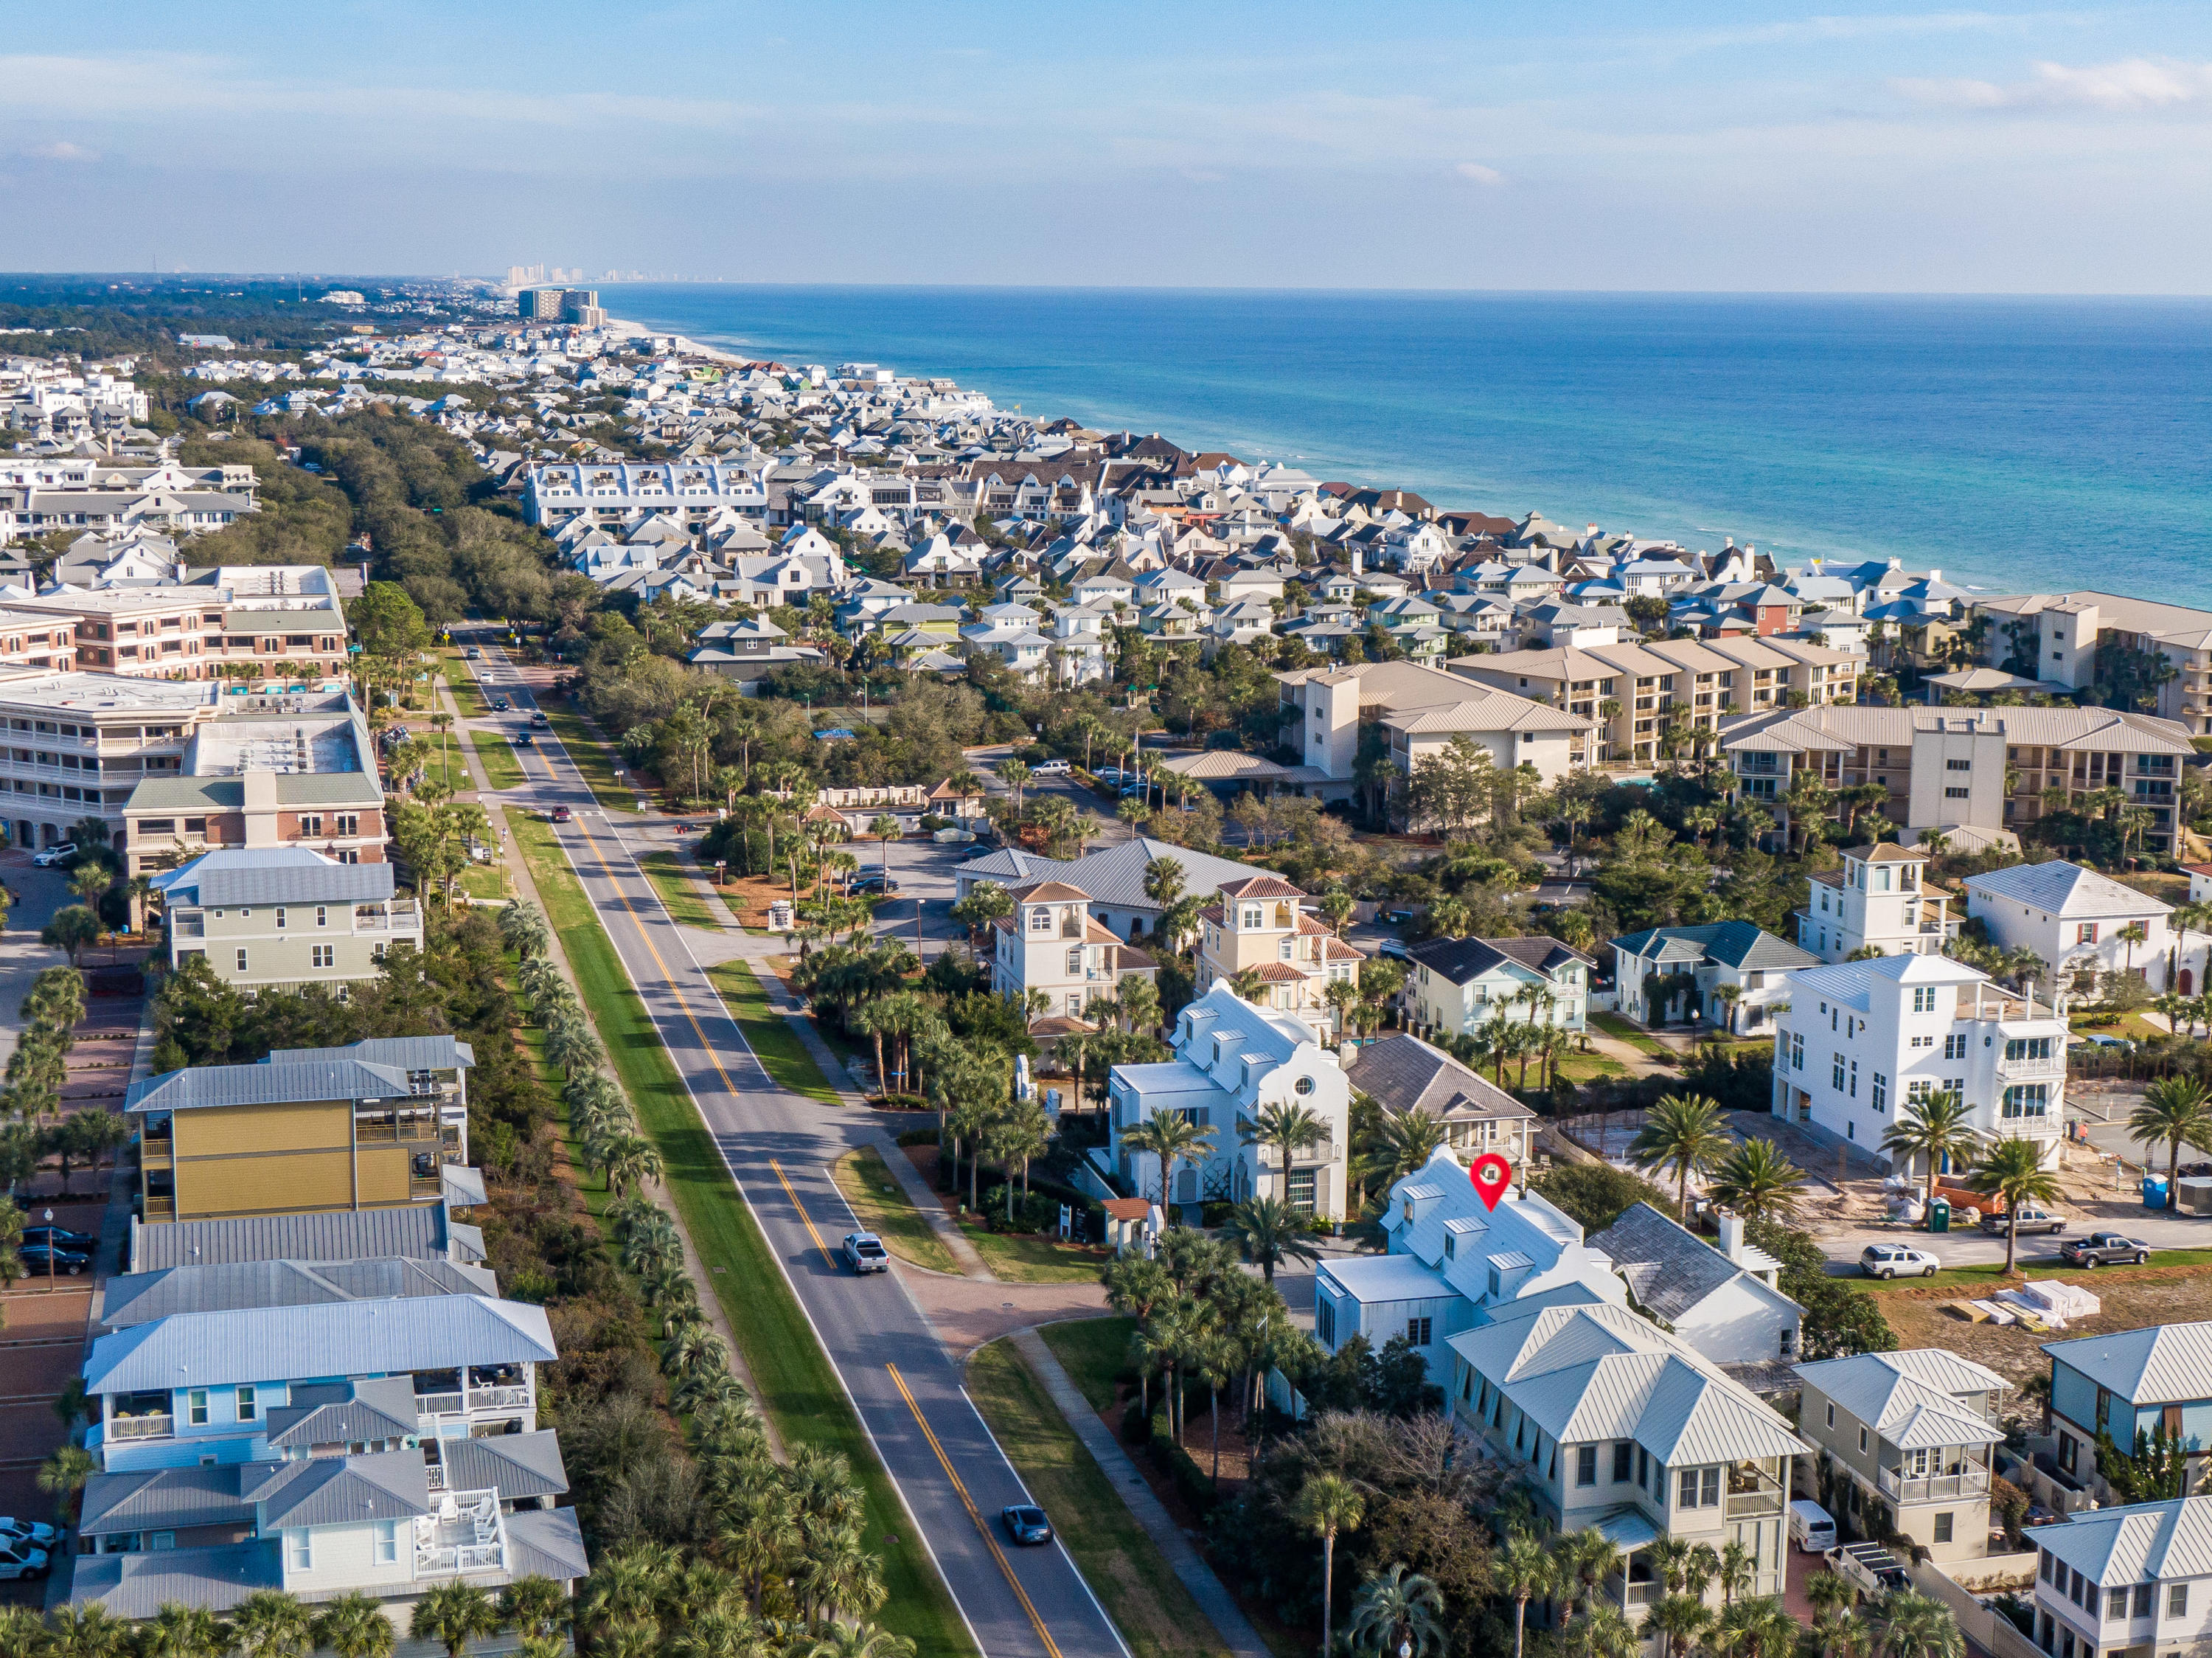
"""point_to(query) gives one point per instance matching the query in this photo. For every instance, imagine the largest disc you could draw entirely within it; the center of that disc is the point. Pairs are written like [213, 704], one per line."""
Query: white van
[1810, 1526]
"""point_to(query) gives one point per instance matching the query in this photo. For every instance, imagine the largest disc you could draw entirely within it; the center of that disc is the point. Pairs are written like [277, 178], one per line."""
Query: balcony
[1747, 1505]
[160, 1209]
[1935, 1488]
[438, 1404]
[1633, 1592]
[164, 1426]
[463, 1535]
[2055, 1065]
[188, 927]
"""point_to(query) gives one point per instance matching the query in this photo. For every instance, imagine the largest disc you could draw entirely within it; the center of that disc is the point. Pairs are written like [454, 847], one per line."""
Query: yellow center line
[805, 1219]
[982, 1525]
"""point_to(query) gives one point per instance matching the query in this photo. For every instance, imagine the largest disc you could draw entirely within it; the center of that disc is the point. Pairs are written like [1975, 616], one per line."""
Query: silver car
[865, 1252]
[1898, 1261]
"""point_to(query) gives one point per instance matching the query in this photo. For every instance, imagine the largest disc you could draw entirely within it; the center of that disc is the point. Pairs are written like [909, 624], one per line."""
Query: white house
[1730, 972]
[1722, 1301]
[2126, 1579]
[1459, 984]
[1403, 1073]
[1232, 1061]
[1858, 1040]
[2076, 920]
[1452, 1263]
[1881, 900]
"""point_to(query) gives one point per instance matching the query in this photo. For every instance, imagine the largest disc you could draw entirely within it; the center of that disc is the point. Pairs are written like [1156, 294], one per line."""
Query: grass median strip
[496, 755]
[682, 888]
[1147, 1601]
[777, 1046]
[885, 1210]
[466, 697]
[798, 1388]
[1985, 1276]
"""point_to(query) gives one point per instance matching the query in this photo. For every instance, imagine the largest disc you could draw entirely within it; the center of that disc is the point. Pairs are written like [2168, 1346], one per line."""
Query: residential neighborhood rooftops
[2060, 888]
[273, 874]
[1731, 943]
[2143, 1542]
[1906, 1410]
[1405, 1074]
[1464, 960]
[2154, 1365]
[134, 1298]
[419, 1231]
[1669, 1268]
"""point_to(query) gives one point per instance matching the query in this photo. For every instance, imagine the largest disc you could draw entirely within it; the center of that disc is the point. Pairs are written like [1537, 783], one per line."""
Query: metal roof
[277, 875]
[1906, 1413]
[2142, 1543]
[346, 1413]
[337, 1491]
[402, 1052]
[521, 1466]
[2060, 888]
[140, 1585]
[134, 1298]
[419, 1232]
[345, 1338]
[2163, 1363]
[163, 1499]
[1731, 943]
[295, 1082]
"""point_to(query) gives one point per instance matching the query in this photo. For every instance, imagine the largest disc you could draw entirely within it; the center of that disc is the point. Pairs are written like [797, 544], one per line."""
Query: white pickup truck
[1869, 1568]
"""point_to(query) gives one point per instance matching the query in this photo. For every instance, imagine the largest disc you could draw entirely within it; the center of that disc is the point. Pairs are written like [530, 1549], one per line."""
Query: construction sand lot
[2131, 1298]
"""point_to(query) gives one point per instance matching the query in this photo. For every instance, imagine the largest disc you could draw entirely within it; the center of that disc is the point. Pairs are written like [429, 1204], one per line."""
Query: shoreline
[1852, 472]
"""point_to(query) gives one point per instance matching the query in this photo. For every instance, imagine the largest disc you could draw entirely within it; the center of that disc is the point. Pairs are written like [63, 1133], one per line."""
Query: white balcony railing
[147, 1427]
[1934, 1487]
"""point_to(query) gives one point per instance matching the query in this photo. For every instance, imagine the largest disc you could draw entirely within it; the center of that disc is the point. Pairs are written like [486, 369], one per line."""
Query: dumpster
[2193, 1195]
[1939, 1216]
[2154, 1193]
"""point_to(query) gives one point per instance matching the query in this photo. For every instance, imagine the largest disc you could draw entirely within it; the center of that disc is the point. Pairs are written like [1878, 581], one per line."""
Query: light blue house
[2157, 1380]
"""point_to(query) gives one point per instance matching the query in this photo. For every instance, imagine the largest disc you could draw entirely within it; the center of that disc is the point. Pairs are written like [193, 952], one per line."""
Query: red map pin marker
[1492, 1174]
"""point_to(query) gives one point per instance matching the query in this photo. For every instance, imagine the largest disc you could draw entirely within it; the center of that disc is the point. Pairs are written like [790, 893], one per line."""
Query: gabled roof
[2163, 1363]
[337, 1491]
[1462, 960]
[274, 1343]
[346, 1413]
[1670, 1269]
[1905, 1410]
[2144, 1542]
[2066, 890]
[163, 1499]
[1729, 943]
[419, 1231]
[1404, 1073]
[520, 1466]
[134, 1298]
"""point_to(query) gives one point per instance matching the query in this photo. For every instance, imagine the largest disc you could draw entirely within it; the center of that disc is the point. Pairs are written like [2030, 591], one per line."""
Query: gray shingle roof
[1669, 1270]
[346, 1338]
[136, 1297]
[419, 1232]
[1463, 960]
[1405, 1074]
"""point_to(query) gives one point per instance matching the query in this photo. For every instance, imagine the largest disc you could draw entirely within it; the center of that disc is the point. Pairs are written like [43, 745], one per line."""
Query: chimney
[1355, 560]
[179, 570]
[1732, 1236]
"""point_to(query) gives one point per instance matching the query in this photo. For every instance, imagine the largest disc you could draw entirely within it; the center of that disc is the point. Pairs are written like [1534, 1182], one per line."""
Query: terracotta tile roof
[1055, 891]
[1259, 886]
[1279, 973]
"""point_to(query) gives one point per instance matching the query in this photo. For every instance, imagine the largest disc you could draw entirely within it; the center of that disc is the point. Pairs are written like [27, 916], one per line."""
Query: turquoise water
[2013, 444]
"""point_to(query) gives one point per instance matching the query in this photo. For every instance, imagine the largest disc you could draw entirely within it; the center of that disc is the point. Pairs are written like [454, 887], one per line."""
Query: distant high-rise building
[540, 304]
[581, 307]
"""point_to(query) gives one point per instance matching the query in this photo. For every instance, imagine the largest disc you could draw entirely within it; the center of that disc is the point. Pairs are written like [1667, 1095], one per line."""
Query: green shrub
[1190, 1479]
[1037, 1212]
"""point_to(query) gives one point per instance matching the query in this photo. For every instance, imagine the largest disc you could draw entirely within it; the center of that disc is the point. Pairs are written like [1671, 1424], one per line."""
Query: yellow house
[1258, 925]
[381, 1124]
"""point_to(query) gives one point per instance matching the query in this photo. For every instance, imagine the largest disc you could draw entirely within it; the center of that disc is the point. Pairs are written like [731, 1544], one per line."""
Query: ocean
[2013, 444]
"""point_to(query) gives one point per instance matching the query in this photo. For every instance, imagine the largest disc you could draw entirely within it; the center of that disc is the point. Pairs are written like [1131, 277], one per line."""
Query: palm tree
[355, 1626]
[1289, 1126]
[1014, 774]
[630, 1160]
[1827, 1590]
[2174, 1109]
[845, 1640]
[1173, 1138]
[1915, 1625]
[1587, 1559]
[1404, 1141]
[64, 1473]
[1683, 1131]
[1398, 1610]
[1683, 1619]
[1251, 983]
[1738, 1570]
[1758, 1183]
[87, 1630]
[2012, 1168]
[453, 1615]
[1271, 1233]
[178, 1630]
[1327, 1504]
[270, 1624]
[1760, 1627]
[1524, 1572]
[1937, 1127]
[533, 1606]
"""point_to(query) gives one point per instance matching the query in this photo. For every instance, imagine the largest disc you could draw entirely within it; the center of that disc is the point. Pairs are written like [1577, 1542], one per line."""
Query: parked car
[43, 1261]
[500, 704]
[22, 1560]
[2117, 1043]
[1812, 1528]
[1050, 769]
[1395, 949]
[1898, 1261]
[36, 1532]
[560, 815]
[1131, 790]
[865, 1252]
[1111, 774]
[877, 882]
[1026, 1524]
[81, 1243]
[54, 855]
[2102, 1249]
[2031, 1220]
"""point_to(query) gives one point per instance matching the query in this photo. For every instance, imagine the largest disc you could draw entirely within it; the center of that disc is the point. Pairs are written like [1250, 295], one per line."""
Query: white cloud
[1476, 172]
[2130, 86]
[61, 151]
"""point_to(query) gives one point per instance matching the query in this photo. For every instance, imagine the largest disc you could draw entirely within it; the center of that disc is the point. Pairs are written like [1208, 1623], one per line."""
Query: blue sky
[1511, 145]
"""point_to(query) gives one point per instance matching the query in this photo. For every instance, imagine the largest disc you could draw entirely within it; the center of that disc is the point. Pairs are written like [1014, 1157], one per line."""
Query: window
[1958, 765]
[2085, 933]
[325, 956]
[246, 1408]
[1624, 1462]
[2142, 1606]
[280, 918]
[1040, 921]
[299, 1550]
[1836, 1073]
[196, 1407]
[1862, 1440]
[1302, 1190]
[1831, 1414]
[1854, 1089]
[1075, 962]
[1796, 1052]
[1325, 1321]
[242, 959]
[1954, 1047]
[2116, 1602]
[1421, 1332]
[1586, 1465]
[1881, 1092]
[2021, 1047]
[1710, 1497]
[2176, 1601]
[1957, 794]
[1942, 1528]
[2027, 1100]
[387, 1542]
[1686, 1497]
[322, 915]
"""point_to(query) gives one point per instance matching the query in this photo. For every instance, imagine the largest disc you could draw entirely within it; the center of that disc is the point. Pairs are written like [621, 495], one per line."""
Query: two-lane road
[949, 1469]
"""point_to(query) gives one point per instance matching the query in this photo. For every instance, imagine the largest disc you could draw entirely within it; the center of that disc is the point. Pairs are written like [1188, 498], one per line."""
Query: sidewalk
[1229, 1621]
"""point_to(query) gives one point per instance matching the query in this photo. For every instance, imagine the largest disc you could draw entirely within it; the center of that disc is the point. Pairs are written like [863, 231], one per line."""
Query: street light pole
[49, 1216]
